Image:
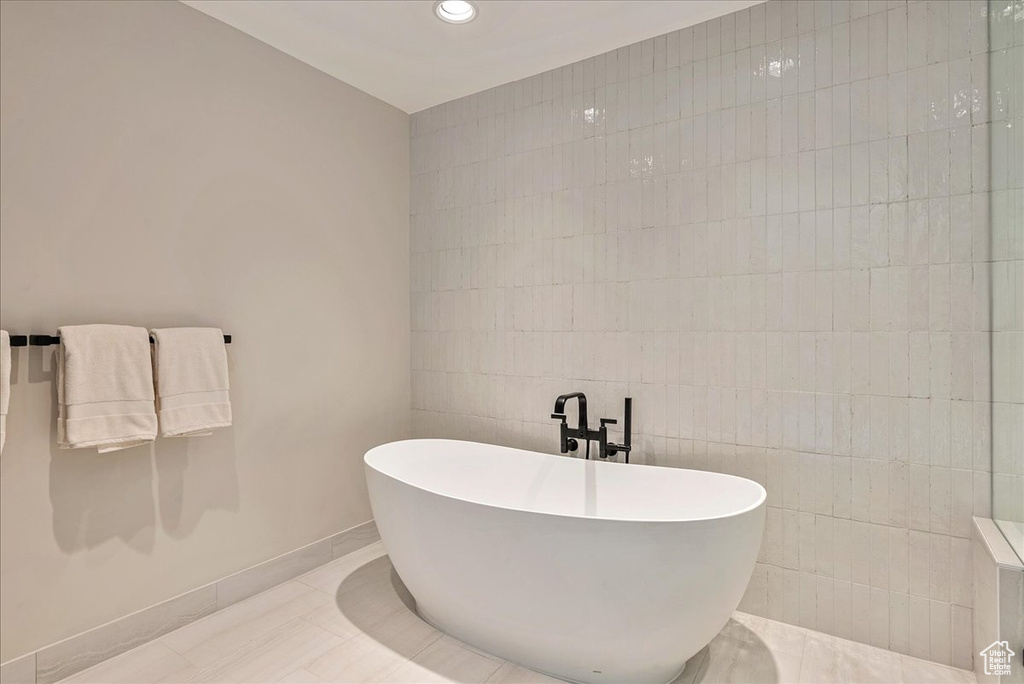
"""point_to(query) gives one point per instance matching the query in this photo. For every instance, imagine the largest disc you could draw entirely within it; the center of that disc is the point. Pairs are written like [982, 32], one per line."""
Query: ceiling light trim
[449, 12]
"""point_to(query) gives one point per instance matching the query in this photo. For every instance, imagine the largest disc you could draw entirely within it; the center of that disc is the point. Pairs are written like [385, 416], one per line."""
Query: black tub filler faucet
[569, 436]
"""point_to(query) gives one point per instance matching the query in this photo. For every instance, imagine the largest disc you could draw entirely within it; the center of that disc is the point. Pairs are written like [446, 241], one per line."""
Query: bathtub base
[579, 676]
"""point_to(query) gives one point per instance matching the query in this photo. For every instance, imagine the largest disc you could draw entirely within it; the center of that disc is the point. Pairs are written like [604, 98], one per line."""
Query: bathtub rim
[761, 499]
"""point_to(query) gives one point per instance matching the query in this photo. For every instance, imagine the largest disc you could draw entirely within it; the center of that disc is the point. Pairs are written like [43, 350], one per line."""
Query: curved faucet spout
[581, 427]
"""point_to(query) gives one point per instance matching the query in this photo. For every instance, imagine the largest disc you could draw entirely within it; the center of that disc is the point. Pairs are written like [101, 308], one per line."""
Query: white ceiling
[398, 51]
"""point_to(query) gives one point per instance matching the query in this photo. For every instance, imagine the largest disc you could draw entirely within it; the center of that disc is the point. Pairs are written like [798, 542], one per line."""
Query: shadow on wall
[217, 489]
[97, 497]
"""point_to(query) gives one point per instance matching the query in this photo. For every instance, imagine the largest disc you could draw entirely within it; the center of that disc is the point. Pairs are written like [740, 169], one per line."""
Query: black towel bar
[47, 340]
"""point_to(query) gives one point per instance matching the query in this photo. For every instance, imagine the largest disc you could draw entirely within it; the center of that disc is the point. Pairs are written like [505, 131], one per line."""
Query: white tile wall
[772, 231]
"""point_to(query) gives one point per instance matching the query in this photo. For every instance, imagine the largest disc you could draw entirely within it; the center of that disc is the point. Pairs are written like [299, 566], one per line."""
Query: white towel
[104, 387]
[5, 384]
[191, 370]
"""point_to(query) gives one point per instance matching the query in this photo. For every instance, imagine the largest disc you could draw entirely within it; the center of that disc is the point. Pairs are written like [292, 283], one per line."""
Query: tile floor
[351, 621]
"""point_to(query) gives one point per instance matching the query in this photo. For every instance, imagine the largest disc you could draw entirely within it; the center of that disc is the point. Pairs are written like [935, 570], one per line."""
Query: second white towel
[191, 372]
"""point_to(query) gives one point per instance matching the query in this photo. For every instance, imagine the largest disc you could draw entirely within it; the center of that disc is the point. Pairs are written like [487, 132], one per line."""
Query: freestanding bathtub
[589, 571]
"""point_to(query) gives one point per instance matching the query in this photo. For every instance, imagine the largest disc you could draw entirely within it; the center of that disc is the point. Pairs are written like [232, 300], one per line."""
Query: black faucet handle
[613, 449]
[558, 416]
[608, 421]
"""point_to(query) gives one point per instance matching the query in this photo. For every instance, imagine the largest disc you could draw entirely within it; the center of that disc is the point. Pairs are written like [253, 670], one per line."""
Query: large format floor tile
[353, 621]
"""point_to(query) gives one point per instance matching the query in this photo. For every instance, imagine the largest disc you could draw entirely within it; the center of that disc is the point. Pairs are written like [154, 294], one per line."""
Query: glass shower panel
[1006, 264]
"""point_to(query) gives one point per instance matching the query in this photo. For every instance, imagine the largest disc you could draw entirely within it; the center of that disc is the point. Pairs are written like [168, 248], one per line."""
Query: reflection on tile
[152, 662]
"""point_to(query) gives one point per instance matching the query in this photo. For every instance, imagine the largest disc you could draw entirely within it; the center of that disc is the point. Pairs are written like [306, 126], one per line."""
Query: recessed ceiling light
[455, 11]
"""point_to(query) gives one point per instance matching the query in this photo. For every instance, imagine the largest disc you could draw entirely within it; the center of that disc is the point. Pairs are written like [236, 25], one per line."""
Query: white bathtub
[589, 571]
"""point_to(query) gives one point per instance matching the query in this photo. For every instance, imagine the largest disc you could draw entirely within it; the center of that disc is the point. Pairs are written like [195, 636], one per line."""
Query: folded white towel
[191, 370]
[5, 384]
[104, 387]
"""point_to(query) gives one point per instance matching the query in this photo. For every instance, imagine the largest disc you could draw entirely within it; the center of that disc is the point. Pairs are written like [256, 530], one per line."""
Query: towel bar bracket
[43, 340]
